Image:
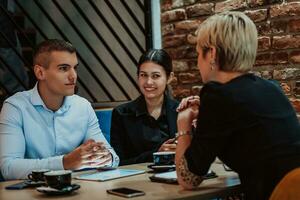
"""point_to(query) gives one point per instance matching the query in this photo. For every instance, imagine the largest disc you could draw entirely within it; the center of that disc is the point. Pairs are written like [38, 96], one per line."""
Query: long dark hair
[158, 56]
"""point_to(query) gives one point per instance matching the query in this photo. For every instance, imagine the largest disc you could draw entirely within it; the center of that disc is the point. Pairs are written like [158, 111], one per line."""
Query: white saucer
[161, 168]
[53, 191]
[31, 183]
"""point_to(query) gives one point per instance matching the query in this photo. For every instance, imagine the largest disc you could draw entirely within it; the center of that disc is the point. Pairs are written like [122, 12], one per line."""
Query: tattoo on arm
[187, 176]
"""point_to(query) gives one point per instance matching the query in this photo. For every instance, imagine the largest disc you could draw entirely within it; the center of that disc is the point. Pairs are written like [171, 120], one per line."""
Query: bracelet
[181, 133]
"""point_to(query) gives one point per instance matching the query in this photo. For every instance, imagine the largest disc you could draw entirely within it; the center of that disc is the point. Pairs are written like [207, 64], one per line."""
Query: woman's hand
[188, 112]
[188, 102]
[186, 118]
[168, 145]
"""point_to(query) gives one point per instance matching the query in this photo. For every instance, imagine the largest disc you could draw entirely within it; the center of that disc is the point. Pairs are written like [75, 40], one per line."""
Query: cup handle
[29, 176]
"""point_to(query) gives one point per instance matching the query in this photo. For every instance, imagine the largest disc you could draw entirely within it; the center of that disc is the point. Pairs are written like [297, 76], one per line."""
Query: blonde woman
[242, 119]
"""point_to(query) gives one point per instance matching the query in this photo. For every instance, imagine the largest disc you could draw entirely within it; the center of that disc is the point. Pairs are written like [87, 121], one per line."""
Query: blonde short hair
[235, 37]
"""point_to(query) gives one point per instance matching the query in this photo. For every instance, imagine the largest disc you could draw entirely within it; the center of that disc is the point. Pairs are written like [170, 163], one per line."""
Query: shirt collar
[36, 100]
[142, 107]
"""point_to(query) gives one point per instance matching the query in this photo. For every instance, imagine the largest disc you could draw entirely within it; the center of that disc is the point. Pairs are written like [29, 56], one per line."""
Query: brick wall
[278, 24]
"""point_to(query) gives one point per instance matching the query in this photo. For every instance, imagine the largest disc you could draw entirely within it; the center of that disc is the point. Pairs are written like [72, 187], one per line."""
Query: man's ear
[39, 72]
[171, 76]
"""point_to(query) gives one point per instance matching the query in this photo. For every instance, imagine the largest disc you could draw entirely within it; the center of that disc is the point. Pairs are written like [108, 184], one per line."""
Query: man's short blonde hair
[235, 37]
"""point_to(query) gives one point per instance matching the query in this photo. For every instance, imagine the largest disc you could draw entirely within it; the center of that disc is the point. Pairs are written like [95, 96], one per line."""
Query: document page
[109, 175]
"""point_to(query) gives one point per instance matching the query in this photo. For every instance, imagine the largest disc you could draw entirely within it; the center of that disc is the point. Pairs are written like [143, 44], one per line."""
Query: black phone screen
[126, 192]
[17, 186]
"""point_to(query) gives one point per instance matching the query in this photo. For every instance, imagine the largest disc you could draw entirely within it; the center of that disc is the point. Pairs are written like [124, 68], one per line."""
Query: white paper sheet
[111, 174]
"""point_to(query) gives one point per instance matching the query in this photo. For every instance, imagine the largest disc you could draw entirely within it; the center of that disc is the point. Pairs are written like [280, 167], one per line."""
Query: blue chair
[104, 120]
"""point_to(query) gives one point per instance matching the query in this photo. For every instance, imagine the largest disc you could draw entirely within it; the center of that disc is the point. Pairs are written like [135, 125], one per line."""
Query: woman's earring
[212, 65]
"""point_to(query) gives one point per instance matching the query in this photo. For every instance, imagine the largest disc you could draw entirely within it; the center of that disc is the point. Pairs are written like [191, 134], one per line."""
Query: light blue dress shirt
[34, 137]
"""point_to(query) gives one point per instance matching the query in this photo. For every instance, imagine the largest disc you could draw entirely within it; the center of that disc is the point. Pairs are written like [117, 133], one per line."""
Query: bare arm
[187, 179]
[188, 111]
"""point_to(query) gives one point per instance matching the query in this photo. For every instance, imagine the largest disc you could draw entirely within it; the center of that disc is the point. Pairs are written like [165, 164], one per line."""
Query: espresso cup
[164, 158]
[37, 175]
[58, 179]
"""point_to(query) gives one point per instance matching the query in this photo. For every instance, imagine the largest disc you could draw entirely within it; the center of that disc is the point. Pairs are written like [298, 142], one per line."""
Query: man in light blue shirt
[49, 127]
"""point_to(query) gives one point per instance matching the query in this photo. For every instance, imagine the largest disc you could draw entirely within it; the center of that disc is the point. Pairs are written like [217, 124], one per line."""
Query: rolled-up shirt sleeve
[13, 147]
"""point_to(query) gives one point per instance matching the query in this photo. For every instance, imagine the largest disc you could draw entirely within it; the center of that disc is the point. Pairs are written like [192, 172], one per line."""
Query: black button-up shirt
[135, 134]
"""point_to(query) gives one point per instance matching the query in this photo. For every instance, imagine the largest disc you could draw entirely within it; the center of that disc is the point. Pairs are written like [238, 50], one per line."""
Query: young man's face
[59, 78]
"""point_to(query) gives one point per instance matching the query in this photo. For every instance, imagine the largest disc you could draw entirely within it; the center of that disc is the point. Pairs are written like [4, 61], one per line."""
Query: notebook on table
[109, 175]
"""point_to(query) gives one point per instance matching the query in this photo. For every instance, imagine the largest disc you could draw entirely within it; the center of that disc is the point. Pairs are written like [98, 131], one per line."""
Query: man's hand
[90, 153]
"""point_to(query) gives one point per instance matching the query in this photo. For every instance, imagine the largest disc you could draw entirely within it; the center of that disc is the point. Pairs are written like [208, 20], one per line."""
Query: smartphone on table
[17, 186]
[126, 192]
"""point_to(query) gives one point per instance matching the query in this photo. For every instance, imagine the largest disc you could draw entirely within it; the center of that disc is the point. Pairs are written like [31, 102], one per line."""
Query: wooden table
[226, 184]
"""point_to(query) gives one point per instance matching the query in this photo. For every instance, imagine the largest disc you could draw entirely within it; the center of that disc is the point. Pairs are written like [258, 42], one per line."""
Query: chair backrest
[104, 120]
[288, 188]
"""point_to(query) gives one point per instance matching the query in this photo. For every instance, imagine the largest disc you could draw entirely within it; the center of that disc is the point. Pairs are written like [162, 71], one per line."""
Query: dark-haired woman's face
[152, 80]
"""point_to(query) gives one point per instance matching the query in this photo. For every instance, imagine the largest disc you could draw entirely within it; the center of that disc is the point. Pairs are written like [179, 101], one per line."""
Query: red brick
[192, 63]
[279, 57]
[295, 57]
[282, 52]
[263, 59]
[296, 102]
[173, 15]
[191, 77]
[278, 26]
[256, 73]
[182, 52]
[285, 10]
[181, 92]
[192, 52]
[286, 88]
[264, 43]
[297, 94]
[257, 15]
[294, 25]
[267, 74]
[271, 58]
[167, 29]
[297, 74]
[192, 39]
[274, 1]
[286, 42]
[180, 3]
[199, 9]
[166, 5]
[230, 5]
[174, 81]
[264, 28]
[187, 25]
[180, 66]
[196, 89]
[256, 3]
[286, 74]
[174, 40]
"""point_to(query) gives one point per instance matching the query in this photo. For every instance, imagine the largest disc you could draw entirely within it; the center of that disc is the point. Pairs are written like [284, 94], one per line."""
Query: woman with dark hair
[147, 124]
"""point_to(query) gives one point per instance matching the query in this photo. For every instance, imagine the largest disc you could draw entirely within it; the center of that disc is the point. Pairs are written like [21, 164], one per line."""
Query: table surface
[227, 183]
